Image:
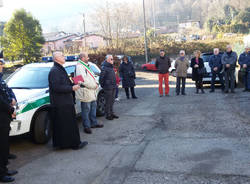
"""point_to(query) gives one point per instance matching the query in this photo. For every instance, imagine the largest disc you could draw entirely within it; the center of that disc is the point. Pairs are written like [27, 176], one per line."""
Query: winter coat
[245, 59]
[215, 61]
[195, 75]
[127, 74]
[229, 59]
[163, 64]
[89, 92]
[60, 87]
[181, 67]
[107, 77]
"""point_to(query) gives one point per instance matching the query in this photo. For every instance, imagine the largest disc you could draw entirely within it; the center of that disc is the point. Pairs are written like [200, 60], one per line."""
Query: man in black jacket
[216, 67]
[163, 64]
[108, 83]
[65, 128]
[7, 112]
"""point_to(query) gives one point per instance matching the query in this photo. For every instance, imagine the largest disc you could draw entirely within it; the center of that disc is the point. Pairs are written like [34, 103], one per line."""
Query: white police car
[30, 85]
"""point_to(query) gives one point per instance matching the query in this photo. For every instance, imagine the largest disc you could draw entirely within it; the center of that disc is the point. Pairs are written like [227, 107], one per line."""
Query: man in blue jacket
[229, 59]
[244, 62]
[216, 67]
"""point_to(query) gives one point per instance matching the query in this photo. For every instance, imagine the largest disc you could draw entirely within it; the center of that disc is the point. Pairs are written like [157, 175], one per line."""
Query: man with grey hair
[108, 83]
[216, 67]
[244, 61]
[229, 59]
[63, 115]
[88, 94]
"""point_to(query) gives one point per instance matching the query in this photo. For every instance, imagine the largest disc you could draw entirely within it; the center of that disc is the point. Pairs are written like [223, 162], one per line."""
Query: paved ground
[170, 140]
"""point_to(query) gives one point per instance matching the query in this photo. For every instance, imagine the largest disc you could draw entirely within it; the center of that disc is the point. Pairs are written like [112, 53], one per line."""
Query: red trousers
[165, 77]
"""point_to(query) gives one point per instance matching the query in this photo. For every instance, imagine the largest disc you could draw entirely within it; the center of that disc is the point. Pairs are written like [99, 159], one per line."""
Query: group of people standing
[222, 65]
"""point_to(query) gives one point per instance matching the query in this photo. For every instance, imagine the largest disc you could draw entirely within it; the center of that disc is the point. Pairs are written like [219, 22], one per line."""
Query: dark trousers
[110, 99]
[199, 83]
[116, 91]
[132, 89]
[246, 79]
[178, 85]
[4, 143]
[229, 79]
[214, 75]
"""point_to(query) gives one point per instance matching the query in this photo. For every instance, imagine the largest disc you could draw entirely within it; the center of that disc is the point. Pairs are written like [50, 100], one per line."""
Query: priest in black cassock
[63, 115]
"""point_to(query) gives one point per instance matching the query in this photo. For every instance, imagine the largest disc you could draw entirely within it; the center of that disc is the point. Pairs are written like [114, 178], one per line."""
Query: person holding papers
[63, 115]
[87, 94]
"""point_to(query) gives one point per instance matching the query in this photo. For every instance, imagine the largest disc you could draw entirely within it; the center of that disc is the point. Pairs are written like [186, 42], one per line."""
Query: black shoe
[109, 118]
[197, 91]
[202, 91]
[128, 97]
[11, 172]
[225, 91]
[87, 130]
[115, 116]
[7, 179]
[12, 156]
[134, 97]
[183, 93]
[161, 95]
[232, 91]
[167, 95]
[211, 91]
[245, 90]
[81, 145]
[98, 126]
[177, 94]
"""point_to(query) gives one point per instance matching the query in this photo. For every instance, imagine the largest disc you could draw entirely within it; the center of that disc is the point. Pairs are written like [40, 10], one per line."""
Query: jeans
[89, 114]
[214, 75]
[229, 78]
[110, 99]
[164, 76]
[116, 91]
[178, 85]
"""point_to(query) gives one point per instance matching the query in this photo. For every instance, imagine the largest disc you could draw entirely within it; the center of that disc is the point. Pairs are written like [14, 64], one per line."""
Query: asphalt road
[197, 138]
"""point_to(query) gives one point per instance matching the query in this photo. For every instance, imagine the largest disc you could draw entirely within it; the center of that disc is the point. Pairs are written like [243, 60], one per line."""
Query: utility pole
[84, 29]
[154, 17]
[145, 33]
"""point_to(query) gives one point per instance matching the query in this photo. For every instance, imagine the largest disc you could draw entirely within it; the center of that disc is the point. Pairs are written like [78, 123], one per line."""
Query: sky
[56, 15]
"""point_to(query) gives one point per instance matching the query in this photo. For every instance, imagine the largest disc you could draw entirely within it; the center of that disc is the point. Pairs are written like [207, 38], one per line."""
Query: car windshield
[29, 78]
[206, 58]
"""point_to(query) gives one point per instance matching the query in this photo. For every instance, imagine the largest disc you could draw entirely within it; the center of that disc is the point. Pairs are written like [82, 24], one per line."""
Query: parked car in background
[194, 37]
[149, 66]
[30, 84]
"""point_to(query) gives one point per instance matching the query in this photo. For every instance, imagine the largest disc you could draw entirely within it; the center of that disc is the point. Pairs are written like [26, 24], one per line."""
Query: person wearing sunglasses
[108, 83]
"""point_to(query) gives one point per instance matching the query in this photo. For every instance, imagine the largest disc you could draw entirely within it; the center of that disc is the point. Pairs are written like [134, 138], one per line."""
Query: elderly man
[88, 94]
[108, 83]
[216, 67]
[66, 132]
[163, 63]
[229, 59]
[244, 62]
[7, 112]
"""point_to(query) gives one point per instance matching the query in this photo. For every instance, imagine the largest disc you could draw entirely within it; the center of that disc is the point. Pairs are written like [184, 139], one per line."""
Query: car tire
[145, 68]
[173, 73]
[100, 110]
[42, 129]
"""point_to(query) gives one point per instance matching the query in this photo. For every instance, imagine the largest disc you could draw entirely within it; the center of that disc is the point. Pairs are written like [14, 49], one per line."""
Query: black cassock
[63, 115]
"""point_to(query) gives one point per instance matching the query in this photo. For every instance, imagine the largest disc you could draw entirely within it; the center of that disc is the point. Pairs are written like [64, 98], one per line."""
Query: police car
[30, 85]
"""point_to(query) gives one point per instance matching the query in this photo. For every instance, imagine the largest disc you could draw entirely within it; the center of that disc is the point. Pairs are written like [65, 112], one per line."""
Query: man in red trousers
[163, 64]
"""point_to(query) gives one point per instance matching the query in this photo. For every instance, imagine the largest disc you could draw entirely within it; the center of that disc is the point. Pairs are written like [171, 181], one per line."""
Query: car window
[95, 69]
[206, 58]
[30, 77]
[152, 62]
[70, 69]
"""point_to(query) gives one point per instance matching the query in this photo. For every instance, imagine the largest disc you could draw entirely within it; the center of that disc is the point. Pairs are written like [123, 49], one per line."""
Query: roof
[85, 36]
[46, 65]
[57, 36]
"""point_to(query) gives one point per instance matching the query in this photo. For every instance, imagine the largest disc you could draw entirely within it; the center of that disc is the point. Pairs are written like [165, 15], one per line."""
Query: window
[70, 69]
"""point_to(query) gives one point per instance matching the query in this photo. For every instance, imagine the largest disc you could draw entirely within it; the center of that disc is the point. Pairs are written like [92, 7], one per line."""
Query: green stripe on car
[35, 104]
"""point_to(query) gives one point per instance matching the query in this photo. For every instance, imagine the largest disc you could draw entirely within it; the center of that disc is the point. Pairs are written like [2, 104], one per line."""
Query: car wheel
[100, 111]
[145, 68]
[173, 73]
[42, 129]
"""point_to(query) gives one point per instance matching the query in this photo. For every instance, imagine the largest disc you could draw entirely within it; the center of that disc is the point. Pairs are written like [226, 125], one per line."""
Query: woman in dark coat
[127, 75]
[197, 64]
[65, 128]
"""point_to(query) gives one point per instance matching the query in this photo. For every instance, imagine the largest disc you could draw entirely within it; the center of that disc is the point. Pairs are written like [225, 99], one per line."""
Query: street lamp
[145, 33]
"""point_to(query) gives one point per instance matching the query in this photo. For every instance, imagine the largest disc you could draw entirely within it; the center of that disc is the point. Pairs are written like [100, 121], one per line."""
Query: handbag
[202, 71]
